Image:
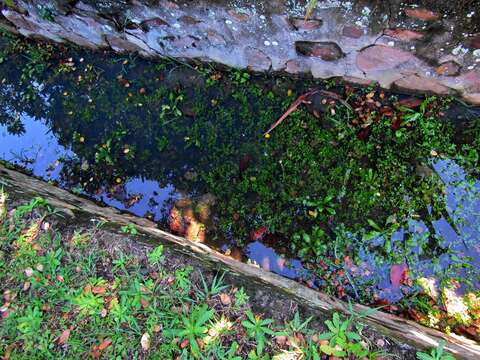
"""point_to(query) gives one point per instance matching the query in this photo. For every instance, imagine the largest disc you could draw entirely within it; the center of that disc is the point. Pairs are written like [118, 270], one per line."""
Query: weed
[435, 354]
[216, 287]
[156, 257]
[258, 329]
[194, 327]
[129, 229]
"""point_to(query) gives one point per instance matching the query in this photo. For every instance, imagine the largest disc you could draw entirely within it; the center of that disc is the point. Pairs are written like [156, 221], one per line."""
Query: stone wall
[400, 46]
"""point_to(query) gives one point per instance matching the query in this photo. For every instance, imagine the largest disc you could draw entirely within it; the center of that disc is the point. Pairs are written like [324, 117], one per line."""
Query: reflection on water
[166, 146]
[37, 149]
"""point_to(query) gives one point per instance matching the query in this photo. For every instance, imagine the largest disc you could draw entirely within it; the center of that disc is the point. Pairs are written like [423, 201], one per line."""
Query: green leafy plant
[193, 327]
[313, 244]
[155, 257]
[435, 354]
[258, 329]
[216, 286]
[341, 340]
[240, 77]
[320, 207]
[129, 229]
[241, 297]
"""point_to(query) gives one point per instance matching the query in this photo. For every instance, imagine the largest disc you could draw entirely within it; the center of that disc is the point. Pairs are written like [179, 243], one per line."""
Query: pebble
[476, 53]
[262, 17]
[267, 43]
[391, 43]
[274, 43]
[228, 22]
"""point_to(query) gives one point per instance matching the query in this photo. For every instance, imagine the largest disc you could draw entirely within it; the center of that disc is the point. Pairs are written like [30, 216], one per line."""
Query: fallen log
[404, 331]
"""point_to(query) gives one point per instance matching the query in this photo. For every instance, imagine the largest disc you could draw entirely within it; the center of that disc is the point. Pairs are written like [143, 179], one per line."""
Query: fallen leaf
[184, 343]
[258, 233]
[29, 272]
[99, 290]
[225, 299]
[105, 344]
[145, 342]
[62, 340]
[281, 340]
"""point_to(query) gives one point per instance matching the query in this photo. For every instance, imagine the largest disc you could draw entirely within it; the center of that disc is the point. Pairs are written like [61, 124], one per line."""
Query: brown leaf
[144, 303]
[62, 340]
[225, 299]
[105, 344]
[281, 340]
[99, 290]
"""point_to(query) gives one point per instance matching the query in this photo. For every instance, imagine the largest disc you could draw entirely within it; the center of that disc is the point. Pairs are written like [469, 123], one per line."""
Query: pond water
[383, 208]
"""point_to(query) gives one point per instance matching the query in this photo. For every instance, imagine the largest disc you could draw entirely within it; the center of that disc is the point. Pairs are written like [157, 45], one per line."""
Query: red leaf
[362, 135]
[410, 103]
[396, 123]
[258, 233]
[398, 274]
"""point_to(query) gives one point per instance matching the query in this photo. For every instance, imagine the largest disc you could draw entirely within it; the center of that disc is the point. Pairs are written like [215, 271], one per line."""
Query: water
[163, 141]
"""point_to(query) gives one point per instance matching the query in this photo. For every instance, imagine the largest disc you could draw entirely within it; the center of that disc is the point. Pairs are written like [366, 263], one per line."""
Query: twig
[303, 99]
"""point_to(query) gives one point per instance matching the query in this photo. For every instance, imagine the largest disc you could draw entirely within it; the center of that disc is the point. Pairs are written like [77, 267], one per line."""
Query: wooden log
[404, 331]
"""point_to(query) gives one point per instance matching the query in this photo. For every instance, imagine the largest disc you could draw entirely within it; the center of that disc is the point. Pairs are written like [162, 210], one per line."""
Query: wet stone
[449, 68]
[238, 15]
[417, 83]
[327, 51]
[471, 81]
[422, 14]
[169, 5]
[215, 38]
[381, 57]
[300, 24]
[404, 34]
[353, 32]
[293, 67]
[120, 44]
[188, 20]
[184, 42]
[257, 59]
[474, 42]
[153, 23]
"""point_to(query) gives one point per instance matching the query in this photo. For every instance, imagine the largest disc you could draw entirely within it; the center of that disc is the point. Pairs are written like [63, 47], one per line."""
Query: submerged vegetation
[368, 190]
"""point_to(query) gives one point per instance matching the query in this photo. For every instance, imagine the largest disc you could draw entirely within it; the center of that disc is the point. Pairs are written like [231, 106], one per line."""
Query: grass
[67, 297]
